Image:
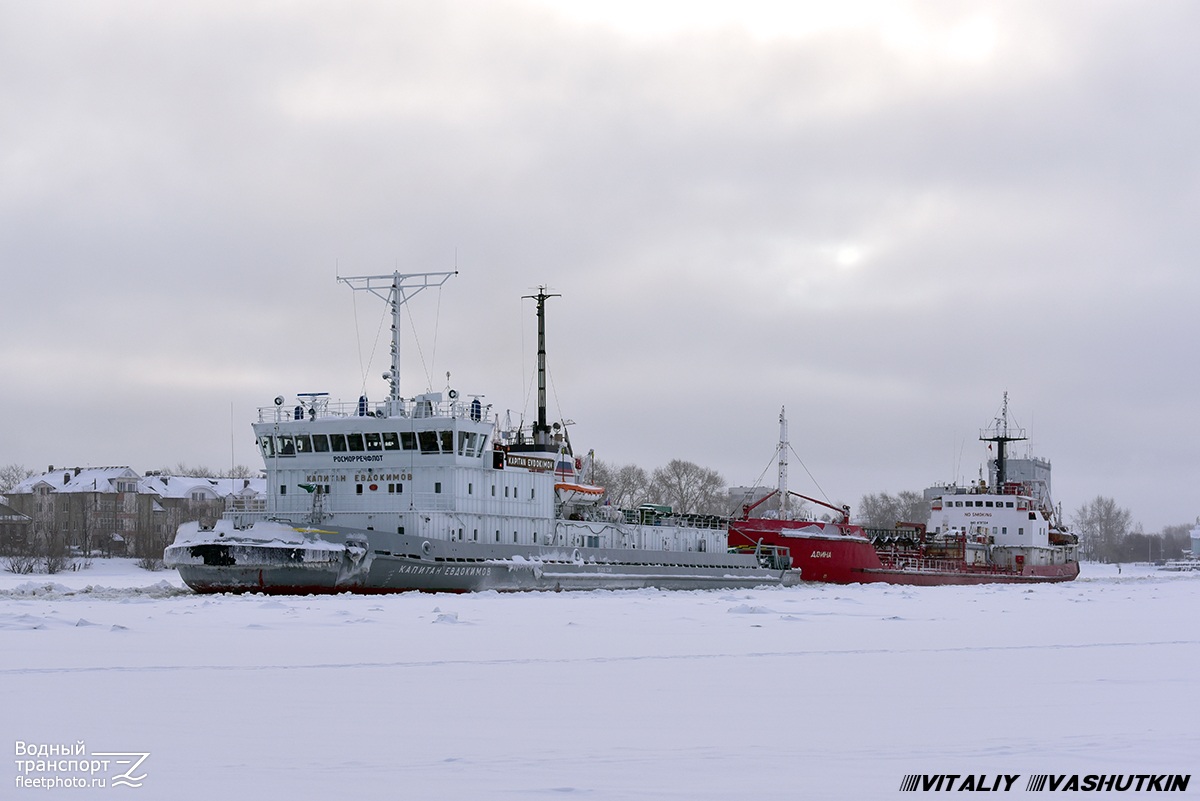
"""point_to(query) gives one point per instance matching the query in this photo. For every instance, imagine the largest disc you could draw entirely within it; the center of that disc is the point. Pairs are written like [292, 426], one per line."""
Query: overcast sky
[881, 216]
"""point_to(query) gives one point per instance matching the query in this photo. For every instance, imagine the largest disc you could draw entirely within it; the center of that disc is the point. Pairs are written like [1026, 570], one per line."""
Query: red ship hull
[838, 553]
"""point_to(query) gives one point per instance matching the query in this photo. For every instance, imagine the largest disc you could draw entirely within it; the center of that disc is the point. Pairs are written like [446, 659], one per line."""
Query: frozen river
[809, 692]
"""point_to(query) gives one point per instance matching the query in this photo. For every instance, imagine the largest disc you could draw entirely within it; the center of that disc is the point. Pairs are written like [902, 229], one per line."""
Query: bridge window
[303, 444]
[447, 440]
[320, 443]
[374, 442]
[354, 442]
[391, 442]
[428, 441]
[337, 443]
[287, 446]
[268, 446]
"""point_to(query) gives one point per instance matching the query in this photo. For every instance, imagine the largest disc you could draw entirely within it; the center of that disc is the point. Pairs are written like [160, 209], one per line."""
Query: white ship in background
[432, 493]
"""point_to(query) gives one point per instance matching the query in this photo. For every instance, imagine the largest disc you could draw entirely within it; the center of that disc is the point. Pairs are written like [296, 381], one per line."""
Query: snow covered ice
[817, 691]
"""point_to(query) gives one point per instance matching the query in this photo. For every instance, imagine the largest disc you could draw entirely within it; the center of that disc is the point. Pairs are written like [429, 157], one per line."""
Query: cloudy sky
[882, 216]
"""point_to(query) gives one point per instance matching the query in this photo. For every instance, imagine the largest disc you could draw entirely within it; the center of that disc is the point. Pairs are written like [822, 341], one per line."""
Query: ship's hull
[370, 562]
[843, 554]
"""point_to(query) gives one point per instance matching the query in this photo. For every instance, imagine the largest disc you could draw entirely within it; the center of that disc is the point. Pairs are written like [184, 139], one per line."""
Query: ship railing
[774, 557]
[647, 516]
[422, 407]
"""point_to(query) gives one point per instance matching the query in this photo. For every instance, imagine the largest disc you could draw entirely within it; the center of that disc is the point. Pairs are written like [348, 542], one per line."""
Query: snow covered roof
[10, 515]
[78, 479]
[212, 488]
[104, 479]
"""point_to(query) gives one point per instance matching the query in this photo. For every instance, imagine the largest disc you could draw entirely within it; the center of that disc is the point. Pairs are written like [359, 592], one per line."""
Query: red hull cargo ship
[1005, 532]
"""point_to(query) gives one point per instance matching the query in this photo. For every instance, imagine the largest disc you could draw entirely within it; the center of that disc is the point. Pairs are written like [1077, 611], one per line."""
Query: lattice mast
[396, 290]
[784, 495]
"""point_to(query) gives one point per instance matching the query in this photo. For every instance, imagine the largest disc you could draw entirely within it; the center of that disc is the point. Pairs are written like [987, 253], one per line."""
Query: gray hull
[373, 562]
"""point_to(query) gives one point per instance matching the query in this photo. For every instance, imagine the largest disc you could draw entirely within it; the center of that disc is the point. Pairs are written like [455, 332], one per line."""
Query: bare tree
[1102, 526]
[885, 511]
[688, 487]
[13, 474]
[627, 486]
[184, 469]
[201, 471]
[54, 554]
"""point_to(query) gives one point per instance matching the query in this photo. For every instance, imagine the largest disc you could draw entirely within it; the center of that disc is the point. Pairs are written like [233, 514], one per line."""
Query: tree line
[1106, 531]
